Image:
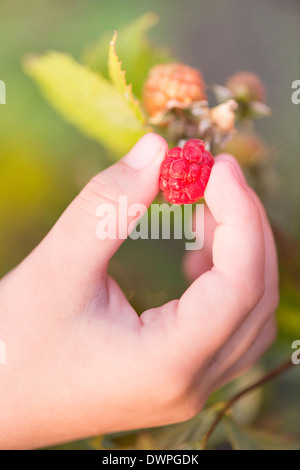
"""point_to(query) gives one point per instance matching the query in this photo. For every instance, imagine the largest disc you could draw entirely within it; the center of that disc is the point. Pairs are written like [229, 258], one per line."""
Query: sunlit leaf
[117, 77]
[86, 100]
[135, 50]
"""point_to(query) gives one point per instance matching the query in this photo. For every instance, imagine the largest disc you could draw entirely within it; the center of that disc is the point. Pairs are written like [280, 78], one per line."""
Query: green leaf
[86, 100]
[242, 439]
[117, 77]
[135, 50]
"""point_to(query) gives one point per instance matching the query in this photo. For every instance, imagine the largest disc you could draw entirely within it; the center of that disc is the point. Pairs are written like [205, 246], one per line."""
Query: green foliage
[241, 439]
[87, 100]
[117, 77]
[137, 53]
[100, 102]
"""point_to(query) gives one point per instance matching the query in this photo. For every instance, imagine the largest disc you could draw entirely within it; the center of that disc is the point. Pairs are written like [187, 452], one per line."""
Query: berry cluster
[185, 172]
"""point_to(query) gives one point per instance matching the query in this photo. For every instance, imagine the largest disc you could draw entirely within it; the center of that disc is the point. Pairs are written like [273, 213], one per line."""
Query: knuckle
[101, 189]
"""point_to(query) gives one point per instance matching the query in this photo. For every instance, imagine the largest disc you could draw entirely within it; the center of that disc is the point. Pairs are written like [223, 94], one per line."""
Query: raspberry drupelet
[185, 172]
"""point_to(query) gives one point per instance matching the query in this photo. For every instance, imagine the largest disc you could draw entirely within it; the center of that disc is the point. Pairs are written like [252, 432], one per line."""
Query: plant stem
[267, 378]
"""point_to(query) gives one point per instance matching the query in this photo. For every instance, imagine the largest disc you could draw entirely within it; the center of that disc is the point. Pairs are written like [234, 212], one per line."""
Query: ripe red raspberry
[185, 172]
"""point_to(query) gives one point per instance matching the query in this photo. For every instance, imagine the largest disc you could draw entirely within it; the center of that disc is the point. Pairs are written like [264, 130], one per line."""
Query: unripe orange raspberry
[172, 85]
[246, 86]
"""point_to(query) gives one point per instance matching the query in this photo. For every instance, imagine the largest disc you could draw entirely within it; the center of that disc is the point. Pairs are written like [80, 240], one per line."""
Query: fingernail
[145, 152]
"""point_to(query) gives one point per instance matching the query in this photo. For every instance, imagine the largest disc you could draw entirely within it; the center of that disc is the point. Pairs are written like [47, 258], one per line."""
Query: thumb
[97, 221]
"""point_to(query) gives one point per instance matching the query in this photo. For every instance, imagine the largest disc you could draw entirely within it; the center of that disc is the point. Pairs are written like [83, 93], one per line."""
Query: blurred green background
[44, 161]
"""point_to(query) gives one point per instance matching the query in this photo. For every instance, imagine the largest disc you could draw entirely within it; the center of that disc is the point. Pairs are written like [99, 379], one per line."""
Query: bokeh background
[44, 161]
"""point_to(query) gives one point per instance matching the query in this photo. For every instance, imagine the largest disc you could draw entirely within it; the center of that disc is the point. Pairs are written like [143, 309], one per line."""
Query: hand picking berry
[185, 172]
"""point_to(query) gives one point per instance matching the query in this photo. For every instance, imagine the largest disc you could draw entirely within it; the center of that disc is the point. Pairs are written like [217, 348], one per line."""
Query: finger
[226, 157]
[218, 302]
[262, 343]
[98, 220]
[246, 335]
[198, 262]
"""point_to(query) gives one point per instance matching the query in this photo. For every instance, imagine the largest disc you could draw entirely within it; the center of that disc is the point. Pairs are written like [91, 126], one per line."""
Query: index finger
[219, 301]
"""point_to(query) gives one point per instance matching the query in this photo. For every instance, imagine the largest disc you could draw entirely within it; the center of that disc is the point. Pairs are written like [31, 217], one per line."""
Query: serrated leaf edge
[118, 79]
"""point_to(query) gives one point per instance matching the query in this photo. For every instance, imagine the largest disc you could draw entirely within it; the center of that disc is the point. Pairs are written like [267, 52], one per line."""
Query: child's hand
[80, 362]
